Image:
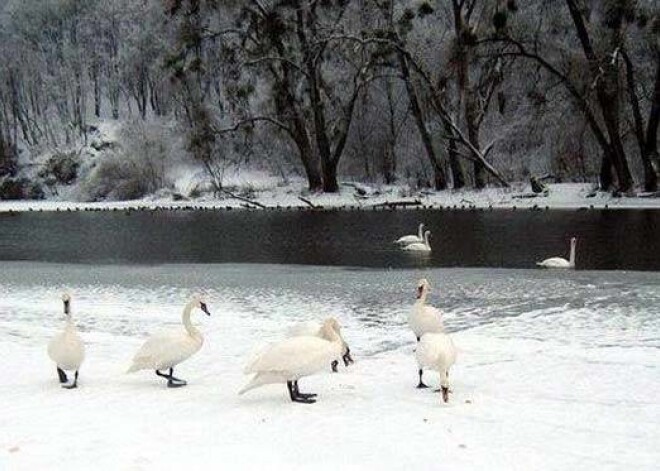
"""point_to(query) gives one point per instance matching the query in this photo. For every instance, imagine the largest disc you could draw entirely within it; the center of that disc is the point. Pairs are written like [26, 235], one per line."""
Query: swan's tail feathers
[137, 365]
[539, 264]
[258, 380]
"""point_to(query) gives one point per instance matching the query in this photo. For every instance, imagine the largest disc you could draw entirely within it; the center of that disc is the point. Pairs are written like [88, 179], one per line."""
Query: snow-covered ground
[555, 371]
[268, 192]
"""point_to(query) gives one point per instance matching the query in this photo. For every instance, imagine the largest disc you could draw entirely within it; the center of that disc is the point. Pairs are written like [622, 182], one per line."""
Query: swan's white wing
[296, 355]
[554, 262]
[409, 239]
[436, 351]
[310, 328]
[67, 350]
[165, 351]
[417, 247]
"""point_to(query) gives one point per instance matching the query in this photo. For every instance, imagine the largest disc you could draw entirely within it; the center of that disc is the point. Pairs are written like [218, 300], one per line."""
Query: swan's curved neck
[186, 319]
[331, 334]
[571, 259]
[420, 231]
[426, 240]
[425, 293]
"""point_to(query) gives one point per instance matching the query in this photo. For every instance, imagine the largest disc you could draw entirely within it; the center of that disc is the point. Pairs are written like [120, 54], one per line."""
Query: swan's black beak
[203, 307]
[348, 359]
[419, 291]
[67, 307]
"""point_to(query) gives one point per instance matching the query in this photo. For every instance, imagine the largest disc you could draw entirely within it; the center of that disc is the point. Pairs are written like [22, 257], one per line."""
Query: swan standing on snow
[424, 319]
[165, 351]
[316, 330]
[66, 349]
[411, 239]
[424, 246]
[437, 352]
[294, 358]
[559, 262]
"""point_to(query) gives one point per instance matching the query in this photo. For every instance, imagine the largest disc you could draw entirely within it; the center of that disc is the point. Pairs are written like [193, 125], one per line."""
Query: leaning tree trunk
[440, 181]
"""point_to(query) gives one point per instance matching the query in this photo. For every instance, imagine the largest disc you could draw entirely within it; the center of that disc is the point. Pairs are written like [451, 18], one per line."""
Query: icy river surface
[556, 370]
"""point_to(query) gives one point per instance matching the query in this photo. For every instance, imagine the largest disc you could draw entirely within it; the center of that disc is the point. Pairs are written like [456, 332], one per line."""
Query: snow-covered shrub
[137, 168]
[61, 168]
[7, 159]
[19, 189]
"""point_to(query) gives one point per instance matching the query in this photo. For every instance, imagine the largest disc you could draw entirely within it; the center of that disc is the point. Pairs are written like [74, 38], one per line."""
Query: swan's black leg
[162, 375]
[348, 359]
[292, 391]
[421, 384]
[62, 375]
[333, 365]
[445, 393]
[74, 384]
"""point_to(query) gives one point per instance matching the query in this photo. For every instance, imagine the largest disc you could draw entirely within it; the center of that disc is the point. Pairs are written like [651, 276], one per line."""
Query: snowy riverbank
[555, 372]
[270, 196]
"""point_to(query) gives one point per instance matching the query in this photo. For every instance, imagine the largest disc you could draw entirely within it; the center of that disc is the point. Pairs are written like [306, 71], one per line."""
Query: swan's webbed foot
[304, 400]
[176, 383]
[334, 365]
[297, 396]
[172, 382]
[62, 375]
[307, 396]
[73, 385]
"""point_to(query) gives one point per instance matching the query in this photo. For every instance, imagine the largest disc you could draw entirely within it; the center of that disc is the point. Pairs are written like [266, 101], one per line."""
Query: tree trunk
[471, 113]
[651, 150]
[605, 75]
[650, 173]
[457, 176]
[439, 175]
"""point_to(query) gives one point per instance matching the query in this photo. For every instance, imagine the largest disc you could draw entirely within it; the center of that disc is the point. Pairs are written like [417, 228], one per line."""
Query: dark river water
[627, 239]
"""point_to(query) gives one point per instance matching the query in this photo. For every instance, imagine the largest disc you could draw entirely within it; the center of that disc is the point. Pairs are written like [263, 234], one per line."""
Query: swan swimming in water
[165, 351]
[559, 262]
[437, 352]
[424, 246]
[424, 319]
[66, 349]
[293, 358]
[315, 329]
[411, 239]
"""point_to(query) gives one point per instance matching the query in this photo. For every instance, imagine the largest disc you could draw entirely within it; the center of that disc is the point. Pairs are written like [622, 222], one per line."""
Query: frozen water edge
[562, 196]
[552, 373]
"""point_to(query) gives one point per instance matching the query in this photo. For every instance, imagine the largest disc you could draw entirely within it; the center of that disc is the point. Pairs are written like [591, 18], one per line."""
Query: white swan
[66, 349]
[291, 359]
[559, 262]
[424, 246]
[411, 239]
[163, 351]
[424, 319]
[437, 352]
[316, 330]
